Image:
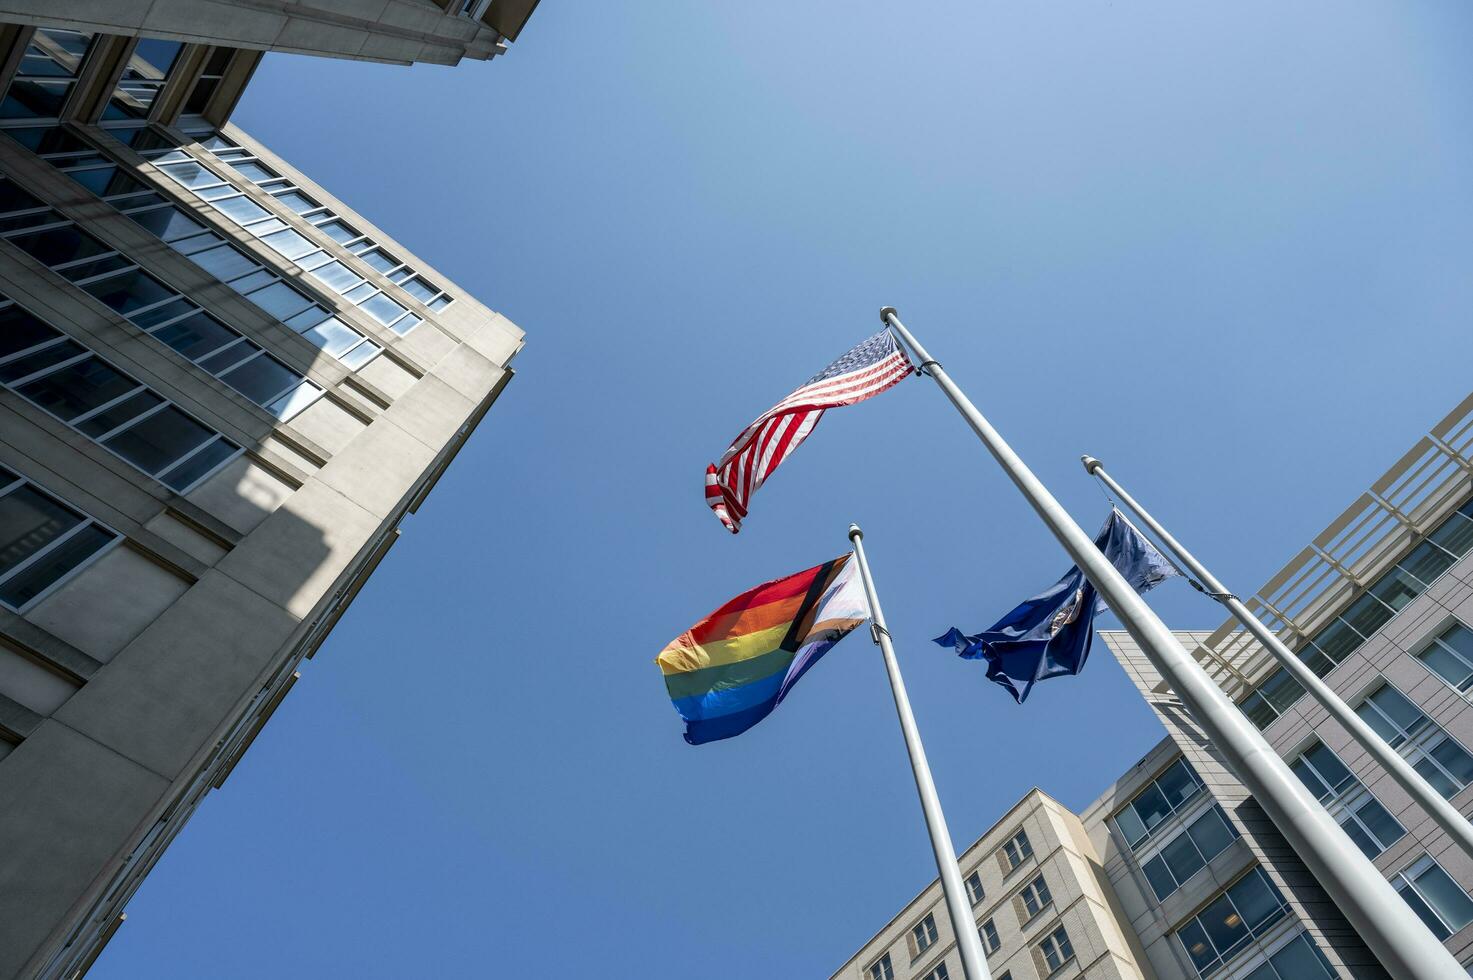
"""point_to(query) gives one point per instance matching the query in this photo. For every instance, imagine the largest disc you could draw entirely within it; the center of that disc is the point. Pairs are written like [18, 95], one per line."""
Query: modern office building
[1186, 867]
[221, 390]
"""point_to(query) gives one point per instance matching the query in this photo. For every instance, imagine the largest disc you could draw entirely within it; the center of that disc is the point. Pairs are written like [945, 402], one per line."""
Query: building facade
[1187, 869]
[402, 32]
[221, 390]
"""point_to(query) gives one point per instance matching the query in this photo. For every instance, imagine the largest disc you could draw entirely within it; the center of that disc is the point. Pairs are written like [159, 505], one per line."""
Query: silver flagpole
[1453, 823]
[968, 942]
[1405, 947]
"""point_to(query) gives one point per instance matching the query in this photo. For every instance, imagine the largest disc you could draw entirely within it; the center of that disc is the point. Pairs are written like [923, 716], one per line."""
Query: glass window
[42, 540]
[987, 931]
[1431, 751]
[1297, 959]
[241, 209]
[261, 379]
[1017, 850]
[20, 331]
[940, 973]
[186, 474]
[881, 969]
[923, 934]
[1057, 949]
[1189, 852]
[77, 388]
[1223, 928]
[1450, 656]
[119, 413]
[1163, 796]
[974, 887]
[160, 440]
[30, 521]
[1035, 896]
[1435, 897]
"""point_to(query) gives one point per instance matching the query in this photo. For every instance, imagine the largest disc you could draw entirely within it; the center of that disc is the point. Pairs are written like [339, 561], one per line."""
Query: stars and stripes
[868, 369]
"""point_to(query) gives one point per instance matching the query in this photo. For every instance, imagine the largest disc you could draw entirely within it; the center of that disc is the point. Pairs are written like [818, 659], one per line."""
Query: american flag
[870, 368]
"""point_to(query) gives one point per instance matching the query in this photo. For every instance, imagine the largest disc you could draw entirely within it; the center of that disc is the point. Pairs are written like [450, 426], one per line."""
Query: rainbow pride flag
[730, 670]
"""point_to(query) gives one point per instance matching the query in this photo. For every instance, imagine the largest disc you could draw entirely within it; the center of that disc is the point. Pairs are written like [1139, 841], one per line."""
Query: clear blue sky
[1223, 247]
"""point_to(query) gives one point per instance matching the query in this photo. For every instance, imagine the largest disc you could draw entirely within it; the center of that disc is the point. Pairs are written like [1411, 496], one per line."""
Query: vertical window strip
[74, 385]
[158, 310]
[1438, 551]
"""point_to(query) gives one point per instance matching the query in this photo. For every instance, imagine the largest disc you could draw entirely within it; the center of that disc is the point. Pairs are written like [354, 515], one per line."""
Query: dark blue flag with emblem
[1049, 635]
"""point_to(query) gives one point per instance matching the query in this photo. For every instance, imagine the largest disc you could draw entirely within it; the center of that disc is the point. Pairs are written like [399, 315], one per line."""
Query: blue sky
[1222, 247]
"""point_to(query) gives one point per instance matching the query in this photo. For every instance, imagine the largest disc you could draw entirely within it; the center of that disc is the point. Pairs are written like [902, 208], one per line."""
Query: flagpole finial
[886, 312]
[855, 533]
[1090, 464]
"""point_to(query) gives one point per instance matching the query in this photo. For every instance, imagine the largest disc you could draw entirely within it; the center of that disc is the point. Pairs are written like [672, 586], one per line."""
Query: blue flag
[1049, 635]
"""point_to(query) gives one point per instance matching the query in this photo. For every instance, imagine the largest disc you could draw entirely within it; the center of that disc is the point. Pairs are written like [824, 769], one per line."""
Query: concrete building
[402, 32]
[221, 390]
[1186, 875]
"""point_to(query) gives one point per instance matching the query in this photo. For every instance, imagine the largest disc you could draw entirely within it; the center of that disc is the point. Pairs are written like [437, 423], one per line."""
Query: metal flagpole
[1453, 823]
[1405, 947]
[968, 942]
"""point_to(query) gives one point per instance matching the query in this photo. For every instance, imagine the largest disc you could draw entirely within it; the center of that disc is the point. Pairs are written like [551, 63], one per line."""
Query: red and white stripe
[771, 438]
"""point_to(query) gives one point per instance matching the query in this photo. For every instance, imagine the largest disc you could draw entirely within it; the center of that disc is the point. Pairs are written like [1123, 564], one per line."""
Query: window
[1430, 750]
[923, 935]
[47, 72]
[974, 887]
[1227, 925]
[1165, 795]
[940, 973]
[1366, 821]
[143, 78]
[881, 969]
[1007, 975]
[209, 81]
[1188, 852]
[1435, 897]
[1299, 959]
[1056, 949]
[1035, 897]
[68, 381]
[1016, 851]
[1384, 598]
[42, 541]
[1450, 656]
[987, 932]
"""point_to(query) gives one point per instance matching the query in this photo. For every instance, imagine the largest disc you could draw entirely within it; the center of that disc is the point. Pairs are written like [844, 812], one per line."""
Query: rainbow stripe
[728, 672]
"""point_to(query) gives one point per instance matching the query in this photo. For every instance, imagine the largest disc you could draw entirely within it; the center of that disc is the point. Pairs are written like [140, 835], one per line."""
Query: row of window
[1054, 950]
[1361, 815]
[1391, 591]
[121, 285]
[65, 379]
[328, 222]
[229, 201]
[206, 249]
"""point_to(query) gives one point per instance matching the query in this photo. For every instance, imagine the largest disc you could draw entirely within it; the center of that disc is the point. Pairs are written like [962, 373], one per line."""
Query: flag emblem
[863, 372]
